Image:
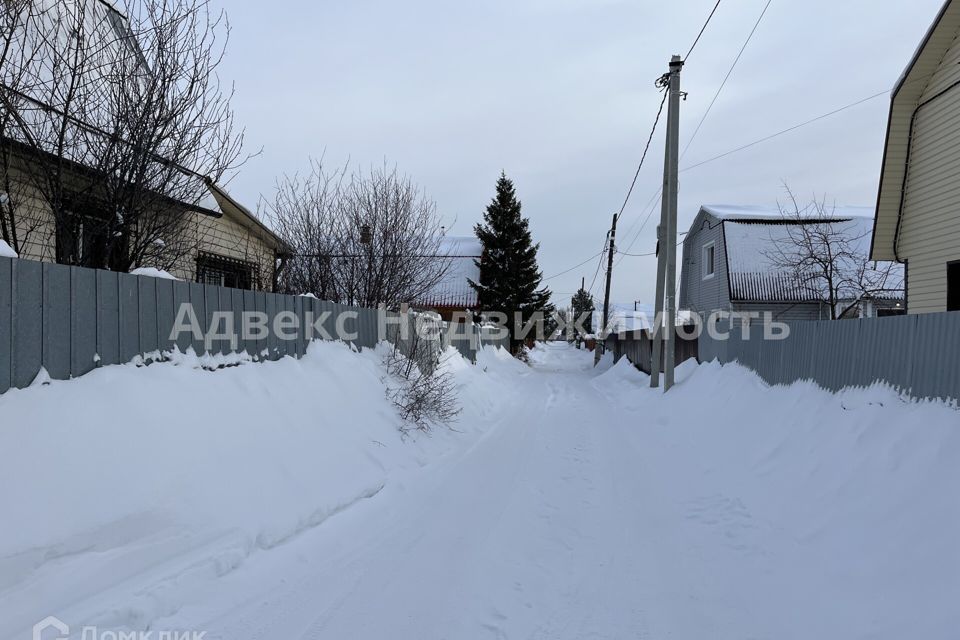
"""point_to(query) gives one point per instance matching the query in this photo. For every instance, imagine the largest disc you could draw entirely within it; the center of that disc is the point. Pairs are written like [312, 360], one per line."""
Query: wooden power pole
[664, 329]
[606, 291]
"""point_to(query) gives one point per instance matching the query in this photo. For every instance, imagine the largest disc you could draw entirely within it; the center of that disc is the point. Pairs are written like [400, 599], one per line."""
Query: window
[225, 272]
[82, 235]
[953, 286]
[709, 260]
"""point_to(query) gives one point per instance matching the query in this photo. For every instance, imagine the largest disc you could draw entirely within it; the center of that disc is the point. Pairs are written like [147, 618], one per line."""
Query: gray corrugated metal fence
[637, 346]
[918, 355]
[70, 320]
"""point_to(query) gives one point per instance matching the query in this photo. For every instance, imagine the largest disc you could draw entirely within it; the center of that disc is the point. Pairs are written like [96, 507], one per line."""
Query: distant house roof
[752, 236]
[909, 95]
[774, 214]
[626, 318]
[454, 290]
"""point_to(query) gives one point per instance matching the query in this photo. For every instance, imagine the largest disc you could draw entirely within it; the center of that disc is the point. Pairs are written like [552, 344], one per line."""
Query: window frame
[246, 274]
[955, 266]
[704, 274]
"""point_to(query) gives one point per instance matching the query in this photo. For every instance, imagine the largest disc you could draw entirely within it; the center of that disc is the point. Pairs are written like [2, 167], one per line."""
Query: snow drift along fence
[637, 346]
[70, 320]
[918, 355]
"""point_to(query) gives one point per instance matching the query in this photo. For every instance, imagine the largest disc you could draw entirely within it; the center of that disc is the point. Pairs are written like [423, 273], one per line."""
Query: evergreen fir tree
[509, 278]
[582, 302]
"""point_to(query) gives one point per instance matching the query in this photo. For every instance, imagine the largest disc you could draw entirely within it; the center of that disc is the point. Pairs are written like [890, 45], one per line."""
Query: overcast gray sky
[560, 95]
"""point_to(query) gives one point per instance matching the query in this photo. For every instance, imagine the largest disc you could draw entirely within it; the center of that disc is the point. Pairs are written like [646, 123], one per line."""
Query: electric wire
[725, 78]
[702, 29]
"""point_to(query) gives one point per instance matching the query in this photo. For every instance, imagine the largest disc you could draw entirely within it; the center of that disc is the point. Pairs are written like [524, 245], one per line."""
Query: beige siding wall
[230, 236]
[34, 222]
[930, 228]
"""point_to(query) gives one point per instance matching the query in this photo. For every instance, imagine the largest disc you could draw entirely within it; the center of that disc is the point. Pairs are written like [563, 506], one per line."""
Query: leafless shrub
[424, 393]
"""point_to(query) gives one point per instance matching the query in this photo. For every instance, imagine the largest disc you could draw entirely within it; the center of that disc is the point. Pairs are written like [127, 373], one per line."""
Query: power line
[643, 157]
[751, 144]
[787, 130]
[660, 110]
[702, 29]
[574, 267]
[653, 129]
[646, 255]
[599, 264]
[725, 78]
[649, 207]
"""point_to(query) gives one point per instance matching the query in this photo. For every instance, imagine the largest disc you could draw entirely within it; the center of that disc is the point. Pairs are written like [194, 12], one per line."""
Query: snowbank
[792, 512]
[131, 485]
[153, 272]
[6, 251]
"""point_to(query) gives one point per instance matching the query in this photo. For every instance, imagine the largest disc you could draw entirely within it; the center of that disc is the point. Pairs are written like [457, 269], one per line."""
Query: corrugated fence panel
[300, 306]
[108, 317]
[147, 296]
[290, 307]
[211, 300]
[940, 375]
[56, 320]
[83, 320]
[199, 304]
[166, 314]
[259, 338]
[238, 302]
[915, 354]
[272, 344]
[181, 297]
[129, 291]
[27, 349]
[6, 323]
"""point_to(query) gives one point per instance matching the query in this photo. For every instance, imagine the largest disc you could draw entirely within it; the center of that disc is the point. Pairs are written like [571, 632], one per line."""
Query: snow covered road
[523, 535]
[568, 503]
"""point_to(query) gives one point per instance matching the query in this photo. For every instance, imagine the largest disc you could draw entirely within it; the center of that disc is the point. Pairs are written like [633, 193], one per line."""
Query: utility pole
[664, 336]
[606, 292]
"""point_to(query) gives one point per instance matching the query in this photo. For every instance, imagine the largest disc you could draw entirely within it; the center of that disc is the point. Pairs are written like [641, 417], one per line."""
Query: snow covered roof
[625, 318]
[752, 251]
[454, 290]
[153, 272]
[752, 245]
[773, 213]
[6, 251]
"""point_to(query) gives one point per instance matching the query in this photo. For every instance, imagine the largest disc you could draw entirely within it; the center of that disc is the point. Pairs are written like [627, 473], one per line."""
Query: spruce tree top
[509, 277]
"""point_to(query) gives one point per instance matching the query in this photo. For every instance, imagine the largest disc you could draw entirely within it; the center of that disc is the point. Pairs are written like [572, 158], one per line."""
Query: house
[732, 261]
[221, 242]
[201, 234]
[453, 293]
[918, 206]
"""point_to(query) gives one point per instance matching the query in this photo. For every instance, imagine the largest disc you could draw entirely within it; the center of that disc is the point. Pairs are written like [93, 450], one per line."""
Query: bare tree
[372, 239]
[306, 214]
[17, 49]
[123, 121]
[825, 256]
